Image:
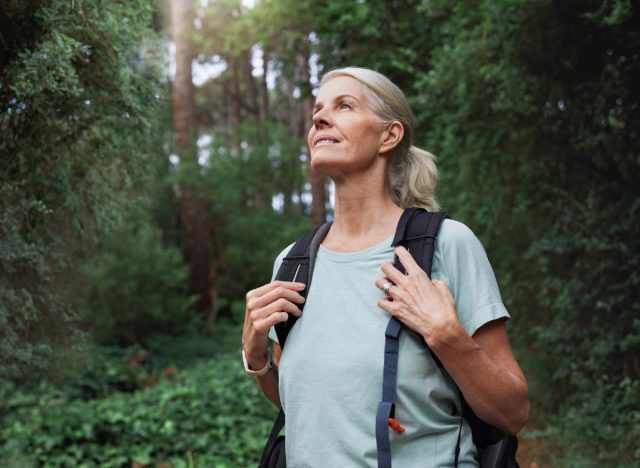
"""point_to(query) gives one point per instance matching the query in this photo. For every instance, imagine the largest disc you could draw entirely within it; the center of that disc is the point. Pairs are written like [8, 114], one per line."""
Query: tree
[78, 96]
[194, 222]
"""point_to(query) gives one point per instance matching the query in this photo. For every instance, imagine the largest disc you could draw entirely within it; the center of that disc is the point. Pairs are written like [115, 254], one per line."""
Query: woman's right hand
[266, 306]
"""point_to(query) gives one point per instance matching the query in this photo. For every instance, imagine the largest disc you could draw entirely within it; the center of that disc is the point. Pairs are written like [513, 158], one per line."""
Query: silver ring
[385, 288]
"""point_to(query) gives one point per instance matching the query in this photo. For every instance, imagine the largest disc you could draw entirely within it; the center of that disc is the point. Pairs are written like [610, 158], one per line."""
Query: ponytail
[412, 178]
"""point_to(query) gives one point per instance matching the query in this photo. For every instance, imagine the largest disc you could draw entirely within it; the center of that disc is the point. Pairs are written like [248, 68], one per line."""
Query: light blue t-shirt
[330, 373]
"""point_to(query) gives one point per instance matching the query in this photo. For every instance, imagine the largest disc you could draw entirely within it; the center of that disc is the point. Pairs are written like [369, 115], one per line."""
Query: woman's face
[345, 137]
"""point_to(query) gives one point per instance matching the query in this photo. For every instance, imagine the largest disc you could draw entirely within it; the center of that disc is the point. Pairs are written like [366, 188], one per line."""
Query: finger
[391, 272]
[389, 292]
[277, 307]
[264, 325]
[262, 290]
[380, 282]
[280, 305]
[390, 306]
[386, 304]
[277, 292]
[407, 260]
[276, 312]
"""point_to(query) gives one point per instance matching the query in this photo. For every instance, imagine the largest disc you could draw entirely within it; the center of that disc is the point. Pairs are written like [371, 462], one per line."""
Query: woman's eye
[344, 105]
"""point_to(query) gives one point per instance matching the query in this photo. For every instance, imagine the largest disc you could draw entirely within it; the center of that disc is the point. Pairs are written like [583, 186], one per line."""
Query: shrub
[209, 413]
[136, 286]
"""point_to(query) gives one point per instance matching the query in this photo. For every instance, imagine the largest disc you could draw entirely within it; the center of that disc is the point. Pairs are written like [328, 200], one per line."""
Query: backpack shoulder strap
[298, 266]
[416, 231]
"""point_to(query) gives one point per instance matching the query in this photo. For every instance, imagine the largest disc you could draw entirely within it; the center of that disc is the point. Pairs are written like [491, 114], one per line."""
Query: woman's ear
[391, 137]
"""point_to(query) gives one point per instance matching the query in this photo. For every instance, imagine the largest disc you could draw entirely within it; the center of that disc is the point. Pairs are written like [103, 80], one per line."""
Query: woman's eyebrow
[319, 105]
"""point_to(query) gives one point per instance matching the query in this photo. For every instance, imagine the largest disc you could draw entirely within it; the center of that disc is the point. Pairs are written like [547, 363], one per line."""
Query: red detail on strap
[395, 425]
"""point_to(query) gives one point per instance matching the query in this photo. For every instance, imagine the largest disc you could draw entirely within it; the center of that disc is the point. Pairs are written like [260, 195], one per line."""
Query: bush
[136, 286]
[210, 414]
[79, 99]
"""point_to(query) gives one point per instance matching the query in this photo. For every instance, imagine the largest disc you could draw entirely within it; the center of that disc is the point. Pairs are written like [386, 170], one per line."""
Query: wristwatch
[255, 373]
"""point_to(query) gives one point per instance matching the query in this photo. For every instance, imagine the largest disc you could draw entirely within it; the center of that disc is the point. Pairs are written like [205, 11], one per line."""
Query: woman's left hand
[424, 305]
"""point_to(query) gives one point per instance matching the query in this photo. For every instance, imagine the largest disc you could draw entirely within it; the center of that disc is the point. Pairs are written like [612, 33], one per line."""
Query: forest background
[153, 163]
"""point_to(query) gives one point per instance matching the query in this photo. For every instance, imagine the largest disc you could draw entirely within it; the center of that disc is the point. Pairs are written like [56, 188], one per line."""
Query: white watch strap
[255, 373]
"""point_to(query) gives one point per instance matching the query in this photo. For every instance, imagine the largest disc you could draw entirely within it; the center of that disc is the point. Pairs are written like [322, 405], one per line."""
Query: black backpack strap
[272, 441]
[417, 231]
[298, 266]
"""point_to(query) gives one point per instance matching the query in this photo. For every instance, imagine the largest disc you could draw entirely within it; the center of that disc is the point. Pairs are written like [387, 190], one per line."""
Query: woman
[329, 376]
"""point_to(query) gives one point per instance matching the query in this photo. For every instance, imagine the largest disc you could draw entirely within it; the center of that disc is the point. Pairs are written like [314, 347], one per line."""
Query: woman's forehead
[340, 86]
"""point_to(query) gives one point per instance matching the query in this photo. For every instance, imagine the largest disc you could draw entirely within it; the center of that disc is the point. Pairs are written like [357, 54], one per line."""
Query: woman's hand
[426, 306]
[266, 306]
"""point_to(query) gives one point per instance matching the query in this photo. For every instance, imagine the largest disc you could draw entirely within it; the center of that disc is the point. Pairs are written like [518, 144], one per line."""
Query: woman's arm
[487, 373]
[268, 383]
[483, 366]
[266, 306]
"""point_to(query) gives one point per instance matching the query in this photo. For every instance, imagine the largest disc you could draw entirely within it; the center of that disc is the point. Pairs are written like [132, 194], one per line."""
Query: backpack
[417, 231]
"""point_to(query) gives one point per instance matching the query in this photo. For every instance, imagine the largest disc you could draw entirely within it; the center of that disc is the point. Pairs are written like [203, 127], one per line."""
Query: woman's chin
[326, 164]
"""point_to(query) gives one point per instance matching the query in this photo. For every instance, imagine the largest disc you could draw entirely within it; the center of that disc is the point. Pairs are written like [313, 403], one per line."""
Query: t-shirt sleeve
[276, 267]
[461, 261]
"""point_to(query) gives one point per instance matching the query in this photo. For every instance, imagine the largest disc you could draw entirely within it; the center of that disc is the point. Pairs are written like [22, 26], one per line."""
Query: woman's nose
[321, 119]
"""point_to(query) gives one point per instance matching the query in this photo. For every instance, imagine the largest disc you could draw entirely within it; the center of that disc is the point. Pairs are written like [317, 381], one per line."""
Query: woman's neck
[364, 216]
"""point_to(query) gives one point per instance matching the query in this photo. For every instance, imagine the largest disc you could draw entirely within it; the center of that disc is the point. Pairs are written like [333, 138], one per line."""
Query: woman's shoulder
[457, 247]
[283, 253]
[454, 233]
[279, 259]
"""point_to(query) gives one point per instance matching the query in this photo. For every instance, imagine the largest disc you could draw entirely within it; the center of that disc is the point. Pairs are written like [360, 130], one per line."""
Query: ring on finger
[386, 287]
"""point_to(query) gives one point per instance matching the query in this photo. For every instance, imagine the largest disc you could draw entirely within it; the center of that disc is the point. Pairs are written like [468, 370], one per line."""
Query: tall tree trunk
[236, 94]
[194, 223]
[264, 89]
[292, 181]
[250, 85]
[318, 214]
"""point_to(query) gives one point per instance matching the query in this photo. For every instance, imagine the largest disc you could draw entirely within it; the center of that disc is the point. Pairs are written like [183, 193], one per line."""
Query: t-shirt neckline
[333, 256]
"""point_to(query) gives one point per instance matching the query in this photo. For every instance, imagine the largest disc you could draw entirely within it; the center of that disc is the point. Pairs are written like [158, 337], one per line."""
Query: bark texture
[194, 222]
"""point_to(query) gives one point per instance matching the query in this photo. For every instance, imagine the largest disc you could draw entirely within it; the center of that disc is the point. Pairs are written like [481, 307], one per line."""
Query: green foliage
[615, 438]
[78, 91]
[241, 185]
[210, 413]
[136, 285]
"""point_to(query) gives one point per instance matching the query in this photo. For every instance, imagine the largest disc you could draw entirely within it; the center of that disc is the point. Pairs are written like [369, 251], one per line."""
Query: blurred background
[153, 163]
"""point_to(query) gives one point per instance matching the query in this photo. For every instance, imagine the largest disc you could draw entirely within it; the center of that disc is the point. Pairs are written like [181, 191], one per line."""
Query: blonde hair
[411, 172]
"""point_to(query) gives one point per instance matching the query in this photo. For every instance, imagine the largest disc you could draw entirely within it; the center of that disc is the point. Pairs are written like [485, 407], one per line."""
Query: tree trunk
[318, 214]
[236, 95]
[250, 85]
[292, 180]
[194, 223]
[264, 89]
